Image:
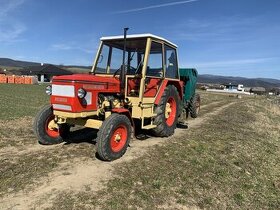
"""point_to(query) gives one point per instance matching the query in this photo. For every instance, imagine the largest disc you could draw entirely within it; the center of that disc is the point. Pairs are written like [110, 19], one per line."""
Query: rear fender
[165, 83]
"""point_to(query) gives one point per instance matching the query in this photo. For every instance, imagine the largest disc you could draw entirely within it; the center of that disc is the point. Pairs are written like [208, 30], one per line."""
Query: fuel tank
[65, 91]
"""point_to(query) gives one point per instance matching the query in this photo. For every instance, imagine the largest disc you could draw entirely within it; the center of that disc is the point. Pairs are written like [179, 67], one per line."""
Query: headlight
[81, 93]
[49, 90]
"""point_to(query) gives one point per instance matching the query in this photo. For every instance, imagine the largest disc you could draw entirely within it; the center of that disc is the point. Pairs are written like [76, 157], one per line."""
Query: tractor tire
[194, 106]
[167, 112]
[113, 137]
[45, 135]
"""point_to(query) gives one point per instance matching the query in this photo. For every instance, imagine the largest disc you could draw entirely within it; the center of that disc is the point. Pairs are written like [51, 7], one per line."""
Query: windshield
[111, 53]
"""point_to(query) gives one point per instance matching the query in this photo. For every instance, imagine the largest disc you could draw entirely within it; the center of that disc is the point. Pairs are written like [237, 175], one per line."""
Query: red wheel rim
[52, 133]
[119, 138]
[171, 110]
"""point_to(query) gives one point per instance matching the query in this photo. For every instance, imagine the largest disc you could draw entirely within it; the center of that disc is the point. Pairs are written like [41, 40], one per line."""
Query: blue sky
[223, 37]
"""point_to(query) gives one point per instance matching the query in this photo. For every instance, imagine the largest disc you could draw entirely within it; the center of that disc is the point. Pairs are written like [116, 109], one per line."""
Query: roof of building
[133, 36]
[230, 84]
[45, 69]
[258, 89]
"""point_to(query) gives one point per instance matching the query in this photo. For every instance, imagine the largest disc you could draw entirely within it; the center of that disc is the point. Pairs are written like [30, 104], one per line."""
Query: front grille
[62, 107]
[63, 90]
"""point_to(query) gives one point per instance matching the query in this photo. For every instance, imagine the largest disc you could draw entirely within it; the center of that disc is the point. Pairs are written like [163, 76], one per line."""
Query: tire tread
[104, 135]
[162, 130]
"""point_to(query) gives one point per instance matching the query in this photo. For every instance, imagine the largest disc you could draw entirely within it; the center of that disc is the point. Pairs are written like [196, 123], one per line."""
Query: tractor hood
[87, 79]
[65, 91]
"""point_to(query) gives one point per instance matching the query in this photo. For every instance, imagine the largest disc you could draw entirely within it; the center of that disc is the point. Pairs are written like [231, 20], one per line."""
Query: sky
[221, 37]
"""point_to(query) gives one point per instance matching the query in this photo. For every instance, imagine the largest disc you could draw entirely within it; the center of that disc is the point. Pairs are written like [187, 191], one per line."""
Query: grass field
[228, 158]
[21, 100]
[10, 68]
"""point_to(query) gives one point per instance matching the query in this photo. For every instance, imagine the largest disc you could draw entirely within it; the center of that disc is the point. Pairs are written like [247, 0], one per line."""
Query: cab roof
[134, 36]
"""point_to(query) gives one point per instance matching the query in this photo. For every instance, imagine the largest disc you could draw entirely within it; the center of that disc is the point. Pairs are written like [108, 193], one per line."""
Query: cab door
[154, 70]
[153, 76]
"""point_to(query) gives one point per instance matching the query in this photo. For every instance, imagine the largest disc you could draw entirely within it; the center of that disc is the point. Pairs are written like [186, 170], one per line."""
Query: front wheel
[46, 130]
[113, 137]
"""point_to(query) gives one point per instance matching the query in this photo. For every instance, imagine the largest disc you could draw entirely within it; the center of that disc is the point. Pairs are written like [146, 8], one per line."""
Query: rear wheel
[46, 130]
[194, 107]
[113, 137]
[167, 112]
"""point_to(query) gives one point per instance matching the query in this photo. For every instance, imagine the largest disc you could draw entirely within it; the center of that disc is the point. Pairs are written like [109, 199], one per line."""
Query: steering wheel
[114, 75]
[125, 68]
[131, 67]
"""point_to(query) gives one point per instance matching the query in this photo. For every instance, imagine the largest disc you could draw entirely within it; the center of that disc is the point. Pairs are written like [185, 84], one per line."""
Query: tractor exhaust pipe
[122, 75]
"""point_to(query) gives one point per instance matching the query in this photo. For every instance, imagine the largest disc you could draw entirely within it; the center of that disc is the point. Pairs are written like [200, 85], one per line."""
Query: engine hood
[65, 88]
[86, 79]
[90, 82]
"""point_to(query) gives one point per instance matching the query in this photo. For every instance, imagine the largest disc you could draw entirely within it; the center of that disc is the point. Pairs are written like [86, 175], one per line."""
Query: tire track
[88, 173]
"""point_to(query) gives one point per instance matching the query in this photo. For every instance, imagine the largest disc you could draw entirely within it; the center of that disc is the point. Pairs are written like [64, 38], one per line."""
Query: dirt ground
[78, 173]
[34, 176]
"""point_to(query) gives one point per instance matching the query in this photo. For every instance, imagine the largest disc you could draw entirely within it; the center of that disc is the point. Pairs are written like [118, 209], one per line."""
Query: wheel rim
[170, 111]
[51, 132]
[119, 138]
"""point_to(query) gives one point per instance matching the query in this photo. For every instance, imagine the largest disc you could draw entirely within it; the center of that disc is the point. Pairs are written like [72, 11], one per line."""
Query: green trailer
[191, 100]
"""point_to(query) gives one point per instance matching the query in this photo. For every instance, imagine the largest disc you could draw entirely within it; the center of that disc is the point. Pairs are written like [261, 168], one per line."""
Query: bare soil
[70, 167]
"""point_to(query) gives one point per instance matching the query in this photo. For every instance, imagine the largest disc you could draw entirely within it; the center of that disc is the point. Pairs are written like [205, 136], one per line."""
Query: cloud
[9, 5]
[74, 46]
[10, 33]
[218, 28]
[62, 47]
[154, 6]
[10, 28]
[231, 63]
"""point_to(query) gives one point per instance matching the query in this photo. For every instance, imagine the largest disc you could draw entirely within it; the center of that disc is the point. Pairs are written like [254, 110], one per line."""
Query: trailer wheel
[194, 106]
[45, 134]
[113, 137]
[167, 112]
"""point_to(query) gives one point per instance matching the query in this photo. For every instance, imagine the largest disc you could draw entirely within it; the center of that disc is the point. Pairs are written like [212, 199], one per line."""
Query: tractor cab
[148, 59]
[150, 65]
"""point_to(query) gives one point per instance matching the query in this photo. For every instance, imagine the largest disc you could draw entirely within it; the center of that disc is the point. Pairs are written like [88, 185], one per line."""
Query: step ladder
[152, 115]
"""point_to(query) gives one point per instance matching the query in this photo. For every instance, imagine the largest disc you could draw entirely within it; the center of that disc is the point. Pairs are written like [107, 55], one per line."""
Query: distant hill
[78, 67]
[11, 64]
[14, 63]
[204, 78]
[247, 82]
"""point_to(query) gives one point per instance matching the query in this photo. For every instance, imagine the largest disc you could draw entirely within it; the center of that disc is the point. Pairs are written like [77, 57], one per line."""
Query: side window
[171, 63]
[116, 59]
[155, 67]
[132, 60]
[103, 60]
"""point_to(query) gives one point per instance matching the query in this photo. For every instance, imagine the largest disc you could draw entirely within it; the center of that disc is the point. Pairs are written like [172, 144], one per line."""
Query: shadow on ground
[84, 135]
[88, 135]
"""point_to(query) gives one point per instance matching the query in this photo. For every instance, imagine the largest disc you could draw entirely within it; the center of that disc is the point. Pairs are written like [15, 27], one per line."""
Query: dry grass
[230, 161]
[19, 100]
[26, 171]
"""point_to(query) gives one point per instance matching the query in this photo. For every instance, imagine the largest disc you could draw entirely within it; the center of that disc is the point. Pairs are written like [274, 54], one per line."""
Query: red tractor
[134, 80]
